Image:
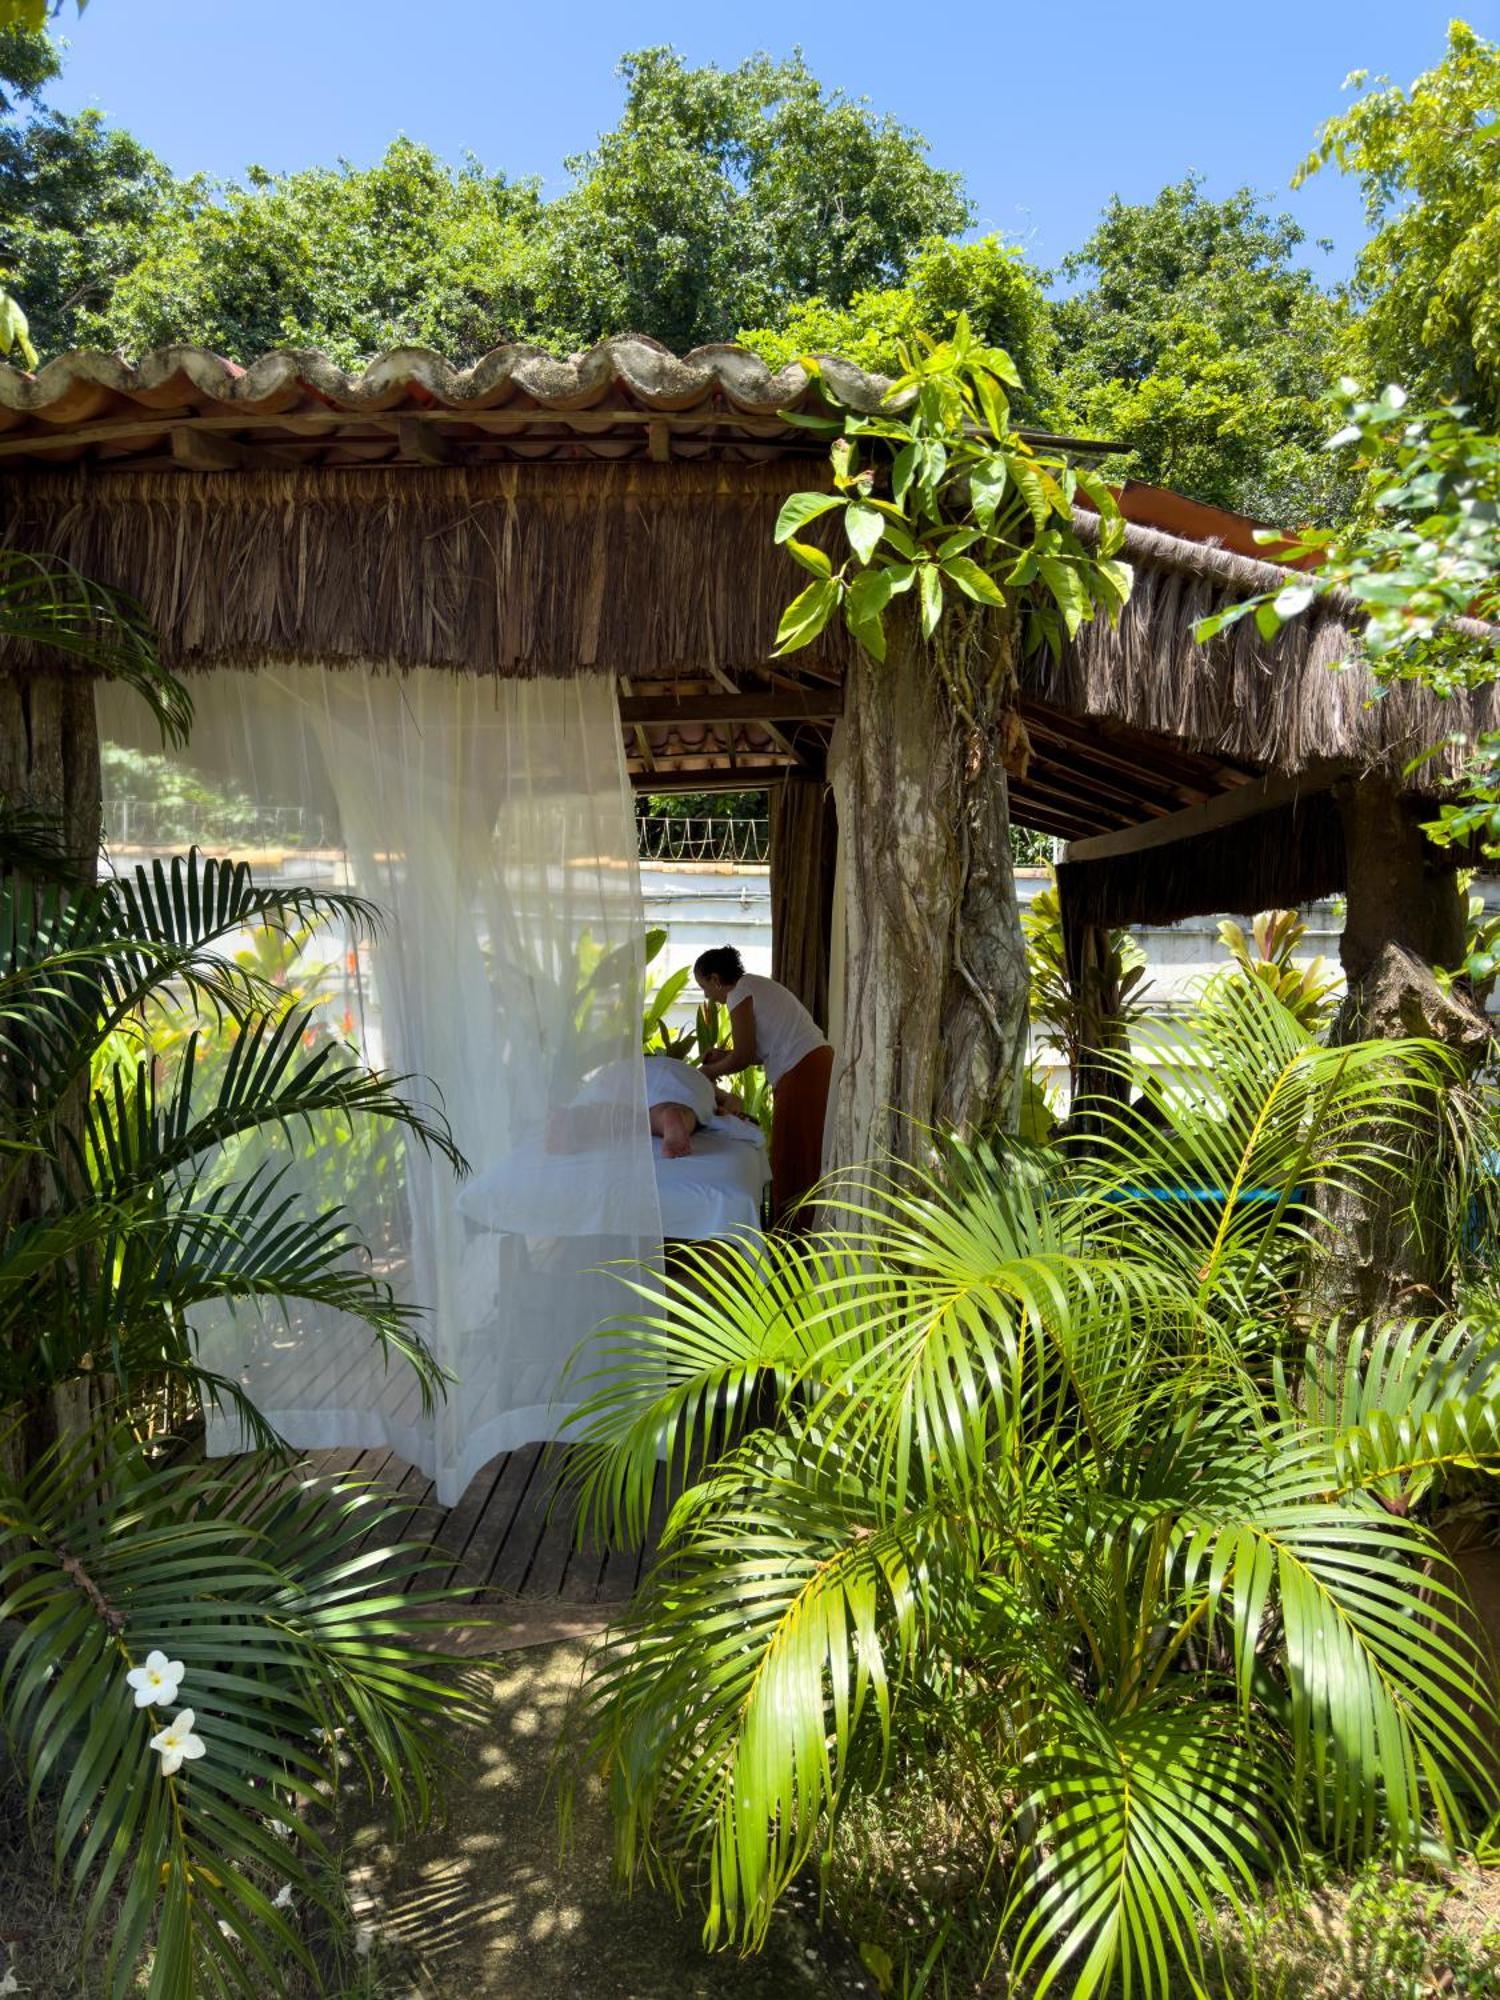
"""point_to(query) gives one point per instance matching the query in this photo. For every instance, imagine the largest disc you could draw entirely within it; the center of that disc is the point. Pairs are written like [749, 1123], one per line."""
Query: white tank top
[784, 1030]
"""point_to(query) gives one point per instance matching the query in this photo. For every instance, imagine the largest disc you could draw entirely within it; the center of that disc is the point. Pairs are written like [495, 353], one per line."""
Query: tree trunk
[1405, 916]
[49, 761]
[49, 766]
[934, 1026]
[1096, 1085]
[804, 842]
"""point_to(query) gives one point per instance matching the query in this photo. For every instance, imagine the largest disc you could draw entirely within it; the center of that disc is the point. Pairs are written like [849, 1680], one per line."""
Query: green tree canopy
[1198, 339]
[1428, 281]
[723, 196]
[720, 198]
[77, 205]
[349, 260]
[990, 280]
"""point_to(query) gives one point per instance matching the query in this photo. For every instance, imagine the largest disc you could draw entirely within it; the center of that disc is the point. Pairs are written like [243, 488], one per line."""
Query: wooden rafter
[1245, 802]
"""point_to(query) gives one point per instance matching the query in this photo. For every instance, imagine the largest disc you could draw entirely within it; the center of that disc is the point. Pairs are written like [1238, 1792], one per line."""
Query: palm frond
[804, 1618]
[293, 1642]
[1148, 1821]
[1242, 1119]
[689, 1356]
[279, 1073]
[46, 602]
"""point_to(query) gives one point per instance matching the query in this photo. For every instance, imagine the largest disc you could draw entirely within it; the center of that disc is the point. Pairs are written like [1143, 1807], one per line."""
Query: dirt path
[484, 1907]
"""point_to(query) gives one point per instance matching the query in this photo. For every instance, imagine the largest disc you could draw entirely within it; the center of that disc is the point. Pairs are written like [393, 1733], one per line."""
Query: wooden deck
[511, 1537]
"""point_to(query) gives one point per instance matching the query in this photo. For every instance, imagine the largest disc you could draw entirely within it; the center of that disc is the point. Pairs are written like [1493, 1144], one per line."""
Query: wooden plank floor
[512, 1533]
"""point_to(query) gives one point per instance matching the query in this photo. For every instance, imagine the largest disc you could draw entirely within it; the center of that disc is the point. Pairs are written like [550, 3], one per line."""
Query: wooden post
[49, 765]
[1405, 916]
[49, 760]
[804, 846]
[1094, 974]
[934, 980]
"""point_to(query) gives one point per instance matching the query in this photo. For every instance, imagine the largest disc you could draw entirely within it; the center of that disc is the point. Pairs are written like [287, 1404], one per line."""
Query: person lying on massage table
[679, 1097]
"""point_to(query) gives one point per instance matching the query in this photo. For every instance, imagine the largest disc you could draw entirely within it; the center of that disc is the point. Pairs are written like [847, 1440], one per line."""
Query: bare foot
[673, 1124]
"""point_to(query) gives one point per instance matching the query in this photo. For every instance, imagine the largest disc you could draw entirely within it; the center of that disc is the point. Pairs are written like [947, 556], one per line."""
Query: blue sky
[1046, 108]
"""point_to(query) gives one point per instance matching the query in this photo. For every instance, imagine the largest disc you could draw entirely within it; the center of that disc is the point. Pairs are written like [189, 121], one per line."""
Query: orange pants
[800, 1109]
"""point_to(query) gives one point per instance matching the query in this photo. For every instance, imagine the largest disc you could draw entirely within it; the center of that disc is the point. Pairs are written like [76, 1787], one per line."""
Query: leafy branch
[940, 496]
[1420, 561]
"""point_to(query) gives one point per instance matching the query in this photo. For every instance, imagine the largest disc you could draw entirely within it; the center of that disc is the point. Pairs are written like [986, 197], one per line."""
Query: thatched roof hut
[608, 520]
[612, 513]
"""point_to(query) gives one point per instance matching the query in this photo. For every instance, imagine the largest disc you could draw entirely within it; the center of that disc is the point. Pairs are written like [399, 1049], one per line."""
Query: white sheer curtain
[491, 822]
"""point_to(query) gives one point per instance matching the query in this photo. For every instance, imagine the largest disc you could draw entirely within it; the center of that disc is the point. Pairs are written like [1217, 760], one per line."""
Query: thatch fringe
[528, 570]
[651, 570]
[1280, 859]
[1289, 705]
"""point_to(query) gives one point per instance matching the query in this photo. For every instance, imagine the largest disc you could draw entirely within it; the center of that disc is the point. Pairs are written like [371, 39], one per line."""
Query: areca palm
[123, 1216]
[298, 1641]
[118, 1220]
[1036, 1476]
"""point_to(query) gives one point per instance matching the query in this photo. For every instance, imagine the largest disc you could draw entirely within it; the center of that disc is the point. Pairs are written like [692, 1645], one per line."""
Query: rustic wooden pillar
[934, 982]
[1094, 974]
[804, 849]
[49, 760]
[1405, 916]
[49, 765]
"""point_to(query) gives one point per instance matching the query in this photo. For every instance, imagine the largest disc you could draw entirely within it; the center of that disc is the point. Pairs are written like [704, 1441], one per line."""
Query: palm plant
[1037, 1488]
[117, 1221]
[197, 1659]
[121, 1219]
[47, 604]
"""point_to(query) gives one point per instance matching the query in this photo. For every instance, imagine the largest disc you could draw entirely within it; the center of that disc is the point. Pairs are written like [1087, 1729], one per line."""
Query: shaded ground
[485, 1907]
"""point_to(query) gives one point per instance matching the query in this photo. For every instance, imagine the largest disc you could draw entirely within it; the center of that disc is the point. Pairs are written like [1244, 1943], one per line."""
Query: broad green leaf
[1066, 586]
[809, 556]
[1293, 599]
[931, 586]
[864, 527]
[988, 482]
[869, 593]
[973, 581]
[994, 404]
[806, 615]
[800, 508]
[1032, 488]
[1267, 620]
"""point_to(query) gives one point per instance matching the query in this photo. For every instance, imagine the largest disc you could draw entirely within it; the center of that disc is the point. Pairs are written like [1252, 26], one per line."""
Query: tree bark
[49, 766]
[49, 761]
[1096, 1086]
[1405, 916]
[934, 1026]
[804, 840]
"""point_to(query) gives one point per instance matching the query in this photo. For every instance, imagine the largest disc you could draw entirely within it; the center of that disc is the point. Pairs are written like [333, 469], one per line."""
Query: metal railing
[665, 837]
[180, 823]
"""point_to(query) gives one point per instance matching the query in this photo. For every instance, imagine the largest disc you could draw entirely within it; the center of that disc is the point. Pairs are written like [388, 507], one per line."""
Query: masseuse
[769, 1025]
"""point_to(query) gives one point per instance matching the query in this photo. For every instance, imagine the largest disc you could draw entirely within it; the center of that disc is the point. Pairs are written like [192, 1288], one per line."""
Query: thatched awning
[530, 570]
[613, 513]
[1288, 705]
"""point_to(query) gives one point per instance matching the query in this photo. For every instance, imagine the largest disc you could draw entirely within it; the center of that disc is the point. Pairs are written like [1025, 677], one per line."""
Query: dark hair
[723, 962]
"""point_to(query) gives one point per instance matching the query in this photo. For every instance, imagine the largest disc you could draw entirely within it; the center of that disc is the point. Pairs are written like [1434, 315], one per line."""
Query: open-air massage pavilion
[443, 622]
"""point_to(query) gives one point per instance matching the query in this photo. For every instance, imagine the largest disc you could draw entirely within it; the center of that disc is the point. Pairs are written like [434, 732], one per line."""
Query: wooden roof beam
[759, 780]
[769, 706]
[1245, 802]
[212, 451]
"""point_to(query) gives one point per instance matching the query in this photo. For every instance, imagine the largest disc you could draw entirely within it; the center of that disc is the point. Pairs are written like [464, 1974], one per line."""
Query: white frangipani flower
[157, 1682]
[177, 1742]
